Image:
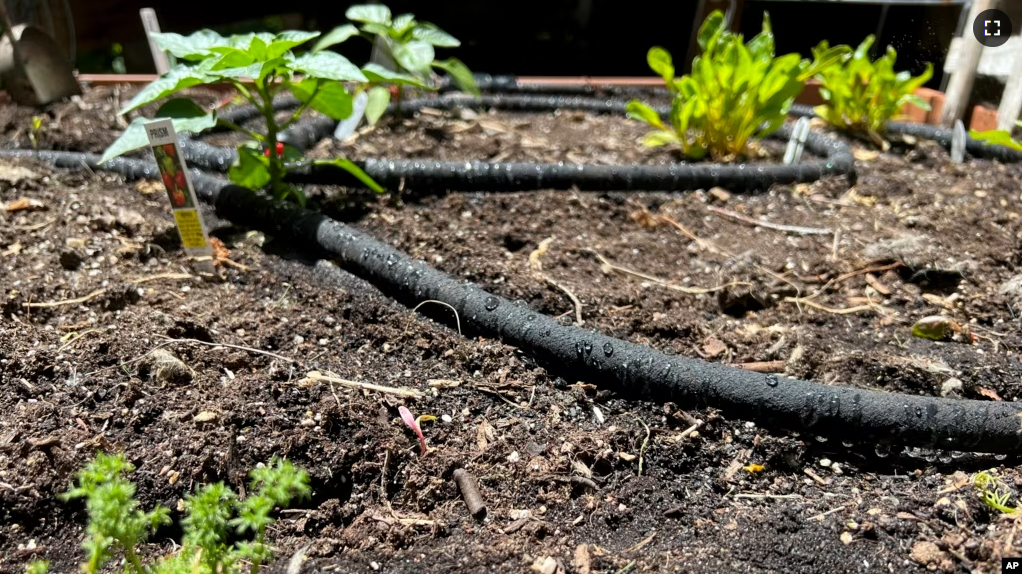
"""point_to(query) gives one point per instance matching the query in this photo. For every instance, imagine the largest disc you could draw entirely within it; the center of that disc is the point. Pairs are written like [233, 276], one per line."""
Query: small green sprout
[116, 523]
[36, 131]
[409, 44]
[861, 96]
[993, 492]
[998, 137]
[38, 567]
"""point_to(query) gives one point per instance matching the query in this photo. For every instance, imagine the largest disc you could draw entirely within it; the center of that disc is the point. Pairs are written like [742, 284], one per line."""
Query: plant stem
[231, 125]
[129, 553]
[275, 166]
[305, 105]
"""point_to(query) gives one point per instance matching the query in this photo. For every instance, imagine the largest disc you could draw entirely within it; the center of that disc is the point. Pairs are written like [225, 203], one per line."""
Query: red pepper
[168, 180]
[180, 180]
[280, 150]
[393, 91]
[169, 149]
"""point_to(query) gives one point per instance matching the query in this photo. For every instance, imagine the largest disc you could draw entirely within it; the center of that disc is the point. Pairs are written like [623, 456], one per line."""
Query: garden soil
[110, 340]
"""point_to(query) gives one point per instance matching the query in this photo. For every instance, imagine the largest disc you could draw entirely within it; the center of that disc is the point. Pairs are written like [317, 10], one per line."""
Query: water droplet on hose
[847, 443]
[821, 438]
[491, 303]
[771, 380]
[883, 450]
[1000, 457]
[588, 347]
[608, 349]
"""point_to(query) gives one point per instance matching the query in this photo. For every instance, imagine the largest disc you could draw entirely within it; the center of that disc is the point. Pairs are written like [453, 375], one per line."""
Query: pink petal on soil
[406, 415]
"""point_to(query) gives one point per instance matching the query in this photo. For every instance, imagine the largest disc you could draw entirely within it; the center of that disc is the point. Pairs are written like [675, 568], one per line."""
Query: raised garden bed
[801, 303]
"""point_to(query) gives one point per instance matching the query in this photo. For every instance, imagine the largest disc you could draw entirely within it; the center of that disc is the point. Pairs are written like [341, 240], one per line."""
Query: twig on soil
[641, 543]
[75, 338]
[37, 226]
[691, 429]
[769, 496]
[850, 274]
[170, 340]
[537, 270]
[821, 515]
[455, 311]
[763, 366]
[331, 378]
[819, 479]
[844, 311]
[766, 224]
[645, 443]
[470, 492]
[608, 266]
[160, 276]
[76, 301]
[627, 568]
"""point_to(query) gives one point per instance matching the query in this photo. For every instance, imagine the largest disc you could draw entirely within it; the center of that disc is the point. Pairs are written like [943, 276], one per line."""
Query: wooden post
[959, 88]
[152, 25]
[1011, 101]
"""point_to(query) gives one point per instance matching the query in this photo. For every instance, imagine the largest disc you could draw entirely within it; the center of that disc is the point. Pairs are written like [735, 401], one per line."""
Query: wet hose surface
[941, 136]
[631, 369]
[431, 176]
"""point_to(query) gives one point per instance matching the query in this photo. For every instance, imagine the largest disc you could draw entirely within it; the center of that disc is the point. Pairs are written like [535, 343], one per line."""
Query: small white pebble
[825, 462]
[299, 339]
[323, 342]
[513, 457]
[836, 468]
[375, 565]
[446, 418]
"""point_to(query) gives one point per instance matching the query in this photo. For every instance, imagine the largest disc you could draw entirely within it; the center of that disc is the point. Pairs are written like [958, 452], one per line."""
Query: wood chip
[582, 562]
[875, 283]
[989, 393]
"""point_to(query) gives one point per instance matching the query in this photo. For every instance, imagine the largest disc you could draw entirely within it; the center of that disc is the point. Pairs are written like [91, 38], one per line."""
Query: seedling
[116, 523]
[259, 66]
[861, 96]
[998, 137]
[993, 492]
[406, 416]
[736, 92]
[37, 130]
[409, 44]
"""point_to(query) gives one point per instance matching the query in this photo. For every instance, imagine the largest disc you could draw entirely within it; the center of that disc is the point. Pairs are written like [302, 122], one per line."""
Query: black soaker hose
[976, 148]
[636, 370]
[427, 175]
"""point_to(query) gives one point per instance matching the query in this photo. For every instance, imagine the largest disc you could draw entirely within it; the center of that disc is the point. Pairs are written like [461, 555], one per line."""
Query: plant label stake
[797, 143]
[958, 142]
[347, 126]
[177, 180]
[152, 26]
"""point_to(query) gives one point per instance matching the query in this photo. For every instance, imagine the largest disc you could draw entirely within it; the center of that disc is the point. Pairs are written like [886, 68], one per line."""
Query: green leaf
[332, 99]
[187, 116]
[252, 72]
[193, 47]
[378, 73]
[461, 75]
[432, 35]
[383, 30]
[661, 138]
[350, 167]
[996, 137]
[328, 66]
[403, 24]
[711, 28]
[935, 328]
[251, 169]
[335, 36]
[414, 56]
[379, 97]
[659, 61]
[179, 78]
[640, 111]
[286, 41]
[369, 13]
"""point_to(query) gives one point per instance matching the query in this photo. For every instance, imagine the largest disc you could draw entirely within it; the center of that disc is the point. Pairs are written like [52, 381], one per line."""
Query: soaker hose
[429, 175]
[631, 369]
[976, 148]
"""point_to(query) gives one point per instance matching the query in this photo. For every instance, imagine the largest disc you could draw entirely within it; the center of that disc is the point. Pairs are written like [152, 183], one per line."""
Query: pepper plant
[116, 524]
[737, 91]
[861, 95]
[259, 66]
[408, 44]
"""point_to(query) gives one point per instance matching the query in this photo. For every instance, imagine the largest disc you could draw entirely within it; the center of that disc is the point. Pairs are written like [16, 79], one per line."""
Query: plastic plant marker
[177, 180]
[797, 142]
[958, 136]
[152, 26]
[347, 126]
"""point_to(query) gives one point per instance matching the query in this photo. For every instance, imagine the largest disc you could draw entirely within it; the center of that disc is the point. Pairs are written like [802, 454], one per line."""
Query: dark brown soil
[77, 377]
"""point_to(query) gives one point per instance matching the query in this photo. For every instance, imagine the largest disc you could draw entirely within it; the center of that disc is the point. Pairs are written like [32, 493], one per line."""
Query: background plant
[406, 42]
[861, 95]
[736, 92]
[116, 523]
[259, 66]
[998, 137]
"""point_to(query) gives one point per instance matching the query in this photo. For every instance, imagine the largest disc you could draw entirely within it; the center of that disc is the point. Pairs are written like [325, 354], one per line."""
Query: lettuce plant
[860, 95]
[259, 66]
[409, 44]
[998, 137]
[737, 91]
[116, 525]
